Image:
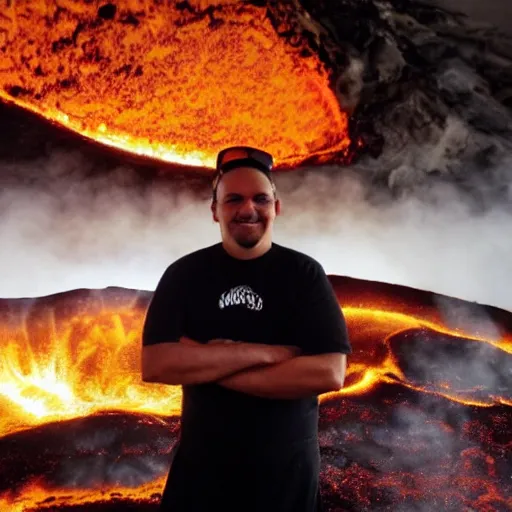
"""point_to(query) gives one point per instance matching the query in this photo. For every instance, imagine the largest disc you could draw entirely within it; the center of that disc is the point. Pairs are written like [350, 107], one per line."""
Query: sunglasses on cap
[241, 156]
[244, 156]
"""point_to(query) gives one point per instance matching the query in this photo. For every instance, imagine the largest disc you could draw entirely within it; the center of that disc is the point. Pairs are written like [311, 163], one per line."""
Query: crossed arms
[267, 371]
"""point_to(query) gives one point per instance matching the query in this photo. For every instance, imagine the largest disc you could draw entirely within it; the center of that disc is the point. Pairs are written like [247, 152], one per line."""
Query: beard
[247, 243]
[247, 237]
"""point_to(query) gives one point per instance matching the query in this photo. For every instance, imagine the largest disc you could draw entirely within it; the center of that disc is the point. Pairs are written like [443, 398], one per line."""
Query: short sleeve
[164, 320]
[319, 321]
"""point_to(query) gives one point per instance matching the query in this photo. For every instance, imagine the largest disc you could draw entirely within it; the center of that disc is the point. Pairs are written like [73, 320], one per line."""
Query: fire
[87, 364]
[160, 81]
[35, 497]
[75, 359]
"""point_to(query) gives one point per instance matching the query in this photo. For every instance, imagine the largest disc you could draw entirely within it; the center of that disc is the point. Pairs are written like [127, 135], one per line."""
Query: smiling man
[253, 332]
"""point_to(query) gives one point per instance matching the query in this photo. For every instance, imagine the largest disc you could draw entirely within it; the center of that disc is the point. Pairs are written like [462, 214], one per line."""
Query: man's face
[245, 207]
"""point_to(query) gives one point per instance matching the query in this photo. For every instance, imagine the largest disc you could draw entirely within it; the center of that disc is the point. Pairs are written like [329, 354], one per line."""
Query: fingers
[220, 342]
[295, 350]
[187, 341]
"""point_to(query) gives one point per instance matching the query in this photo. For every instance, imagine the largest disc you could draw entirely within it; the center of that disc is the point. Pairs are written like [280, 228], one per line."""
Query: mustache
[247, 218]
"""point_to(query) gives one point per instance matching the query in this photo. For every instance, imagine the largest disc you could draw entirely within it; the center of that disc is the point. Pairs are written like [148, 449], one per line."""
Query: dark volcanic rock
[429, 90]
[104, 449]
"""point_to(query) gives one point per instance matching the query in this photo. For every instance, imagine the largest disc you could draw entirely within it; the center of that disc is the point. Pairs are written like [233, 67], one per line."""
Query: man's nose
[247, 206]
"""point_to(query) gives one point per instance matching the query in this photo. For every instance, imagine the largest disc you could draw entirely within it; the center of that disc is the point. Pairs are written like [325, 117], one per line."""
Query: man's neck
[241, 253]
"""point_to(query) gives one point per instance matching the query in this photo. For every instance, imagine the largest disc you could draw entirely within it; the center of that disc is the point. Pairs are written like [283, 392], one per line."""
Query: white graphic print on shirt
[241, 295]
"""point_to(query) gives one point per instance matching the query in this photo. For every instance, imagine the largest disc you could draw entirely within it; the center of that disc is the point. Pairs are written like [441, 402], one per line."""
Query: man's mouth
[247, 222]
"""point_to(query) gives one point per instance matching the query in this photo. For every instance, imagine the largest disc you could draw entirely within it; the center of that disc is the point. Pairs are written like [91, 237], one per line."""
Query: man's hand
[221, 341]
[192, 343]
[189, 342]
[296, 378]
[275, 353]
[282, 353]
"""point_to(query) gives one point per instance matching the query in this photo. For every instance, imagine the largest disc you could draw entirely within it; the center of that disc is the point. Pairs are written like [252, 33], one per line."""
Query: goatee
[247, 243]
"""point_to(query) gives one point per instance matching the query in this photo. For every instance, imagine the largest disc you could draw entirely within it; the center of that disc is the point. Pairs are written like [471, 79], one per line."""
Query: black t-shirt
[281, 298]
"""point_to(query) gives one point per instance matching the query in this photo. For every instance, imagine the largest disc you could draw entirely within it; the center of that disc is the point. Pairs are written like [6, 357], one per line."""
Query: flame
[54, 368]
[162, 82]
[34, 497]
[89, 364]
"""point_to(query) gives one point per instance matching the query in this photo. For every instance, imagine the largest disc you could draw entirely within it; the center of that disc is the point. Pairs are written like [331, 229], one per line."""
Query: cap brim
[244, 162]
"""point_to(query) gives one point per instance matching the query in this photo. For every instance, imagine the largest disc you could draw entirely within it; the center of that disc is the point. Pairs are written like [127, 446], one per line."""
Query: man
[253, 332]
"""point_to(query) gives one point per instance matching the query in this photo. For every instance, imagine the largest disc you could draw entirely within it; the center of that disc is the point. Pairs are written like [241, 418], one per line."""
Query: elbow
[149, 378]
[331, 376]
[167, 363]
[337, 383]
[329, 383]
[149, 371]
[154, 367]
[337, 373]
[152, 373]
[336, 380]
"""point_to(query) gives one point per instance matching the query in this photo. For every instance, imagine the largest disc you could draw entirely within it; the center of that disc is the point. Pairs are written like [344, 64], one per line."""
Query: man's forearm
[296, 378]
[194, 363]
[190, 362]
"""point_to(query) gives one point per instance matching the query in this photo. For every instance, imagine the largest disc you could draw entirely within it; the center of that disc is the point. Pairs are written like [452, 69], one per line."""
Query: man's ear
[213, 208]
[277, 205]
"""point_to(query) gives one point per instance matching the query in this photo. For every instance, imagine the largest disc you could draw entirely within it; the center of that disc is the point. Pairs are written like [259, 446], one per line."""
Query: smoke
[444, 246]
[66, 226]
[98, 457]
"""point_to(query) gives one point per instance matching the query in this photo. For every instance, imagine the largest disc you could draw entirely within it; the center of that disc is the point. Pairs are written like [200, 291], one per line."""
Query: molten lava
[73, 358]
[165, 81]
[70, 382]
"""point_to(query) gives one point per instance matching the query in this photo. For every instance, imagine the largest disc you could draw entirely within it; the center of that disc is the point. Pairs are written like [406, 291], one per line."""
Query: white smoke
[64, 226]
[443, 247]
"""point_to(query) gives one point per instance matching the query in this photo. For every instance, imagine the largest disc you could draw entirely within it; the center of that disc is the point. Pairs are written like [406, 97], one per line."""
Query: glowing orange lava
[72, 355]
[167, 83]
[35, 497]
[63, 366]
[87, 364]
[370, 327]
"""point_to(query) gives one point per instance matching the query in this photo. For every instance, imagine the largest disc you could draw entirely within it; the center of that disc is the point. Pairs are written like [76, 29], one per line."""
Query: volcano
[405, 94]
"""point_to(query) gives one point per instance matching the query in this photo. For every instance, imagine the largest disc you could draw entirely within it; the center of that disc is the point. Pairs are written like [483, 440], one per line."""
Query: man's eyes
[257, 199]
[262, 199]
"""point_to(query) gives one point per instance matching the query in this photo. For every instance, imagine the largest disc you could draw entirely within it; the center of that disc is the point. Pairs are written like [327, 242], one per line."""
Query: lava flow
[425, 381]
[170, 82]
